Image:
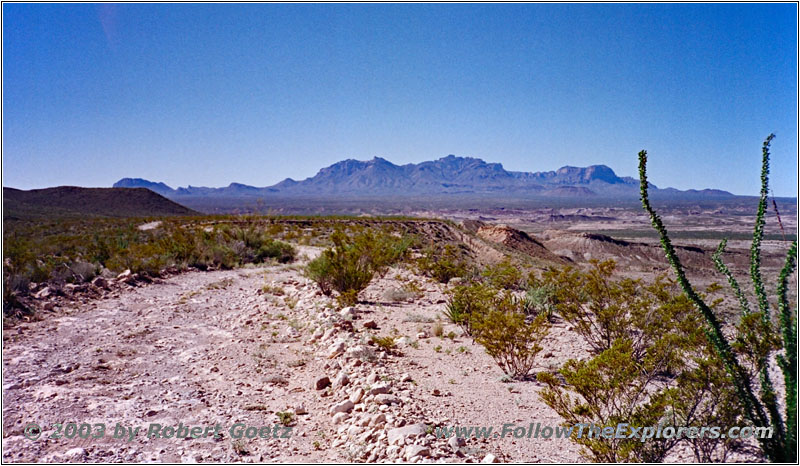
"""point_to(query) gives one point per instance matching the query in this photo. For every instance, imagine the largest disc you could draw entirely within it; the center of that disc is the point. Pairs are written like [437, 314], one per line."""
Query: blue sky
[211, 94]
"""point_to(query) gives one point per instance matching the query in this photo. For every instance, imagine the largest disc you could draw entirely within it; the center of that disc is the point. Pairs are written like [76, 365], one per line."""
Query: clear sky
[212, 94]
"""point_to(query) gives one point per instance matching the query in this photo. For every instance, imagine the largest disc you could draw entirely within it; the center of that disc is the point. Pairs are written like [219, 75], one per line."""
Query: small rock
[124, 275]
[356, 396]
[343, 407]
[370, 324]
[403, 341]
[410, 431]
[300, 409]
[341, 380]
[380, 388]
[75, 454]
[456, 443]
[322, 383]
[347, 313]
[276, 380]
[405, 377]
[490, 458]
[417, 450]
[385, 399]
[43, 293]
[339, 417]
[422, 336]
[336, 349]
[100, 282]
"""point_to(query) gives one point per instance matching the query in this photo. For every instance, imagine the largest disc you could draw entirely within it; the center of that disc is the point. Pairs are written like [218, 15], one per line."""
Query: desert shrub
[350, 264]
[278, 250]
[386, 343]
[504, 275]
[508, 337]
[73, 251]
[443, 263]
[399, 295]
[610, 391]
[467, 302]
[652, 365]
[756, 334]
[83, 271]
[321, 272]
[602, 309]
[540, 299]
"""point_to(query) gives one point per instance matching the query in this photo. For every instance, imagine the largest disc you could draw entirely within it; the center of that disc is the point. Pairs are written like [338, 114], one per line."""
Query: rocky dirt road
[239, 347]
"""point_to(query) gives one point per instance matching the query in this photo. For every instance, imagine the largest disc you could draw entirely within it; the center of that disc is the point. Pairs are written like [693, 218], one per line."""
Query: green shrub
[602, 309]
[350, 264]
[278, 250]
[468, 302]
[443, 263]
[504, 275]
[508, 337]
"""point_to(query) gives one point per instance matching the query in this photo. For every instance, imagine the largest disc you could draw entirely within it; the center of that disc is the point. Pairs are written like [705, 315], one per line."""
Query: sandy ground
[207, 348]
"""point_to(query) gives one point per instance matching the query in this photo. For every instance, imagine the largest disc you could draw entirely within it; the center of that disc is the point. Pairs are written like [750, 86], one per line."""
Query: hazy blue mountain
[449, 175]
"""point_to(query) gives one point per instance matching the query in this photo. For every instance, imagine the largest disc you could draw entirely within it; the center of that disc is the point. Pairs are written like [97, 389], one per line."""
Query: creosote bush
[468, 302]
[504, 275]
[443, 263]
[351, 263]
[651, 365]
[509, 336]
[497, 320]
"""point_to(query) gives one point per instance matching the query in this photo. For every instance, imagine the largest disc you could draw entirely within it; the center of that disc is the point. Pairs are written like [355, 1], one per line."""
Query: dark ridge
[71, 201]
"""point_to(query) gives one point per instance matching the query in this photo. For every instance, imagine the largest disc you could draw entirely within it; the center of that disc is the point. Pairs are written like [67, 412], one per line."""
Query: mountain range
[447, 176]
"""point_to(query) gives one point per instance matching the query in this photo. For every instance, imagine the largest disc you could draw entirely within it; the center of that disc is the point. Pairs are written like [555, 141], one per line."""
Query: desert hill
[71, 201]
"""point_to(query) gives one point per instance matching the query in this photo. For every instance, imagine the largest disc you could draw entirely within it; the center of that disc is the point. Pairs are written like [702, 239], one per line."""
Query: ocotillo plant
[756, 330]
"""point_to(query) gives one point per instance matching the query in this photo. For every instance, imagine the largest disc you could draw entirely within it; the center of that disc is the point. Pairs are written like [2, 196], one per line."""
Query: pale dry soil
[239, 346]
[207, 348]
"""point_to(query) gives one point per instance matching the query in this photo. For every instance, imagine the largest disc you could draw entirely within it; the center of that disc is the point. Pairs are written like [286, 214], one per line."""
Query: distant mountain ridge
[449, 175]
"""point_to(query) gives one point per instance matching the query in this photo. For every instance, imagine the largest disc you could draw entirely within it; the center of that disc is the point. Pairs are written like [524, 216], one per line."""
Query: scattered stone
[490, 458]
[347, 313]
[43, 293]
[344, 407]
[336, 349]
[276, 380]
[370, 324]
[417, 450]
[383, 387]
[385, 399]
[406, 377]
[407, 432]
[339, 417]
[124, 275]
[322, 383]
[356, 396]
[456, 443]
[300, 409]
[341, 380]
[75, 454]
[422, 336]
[100, 282]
